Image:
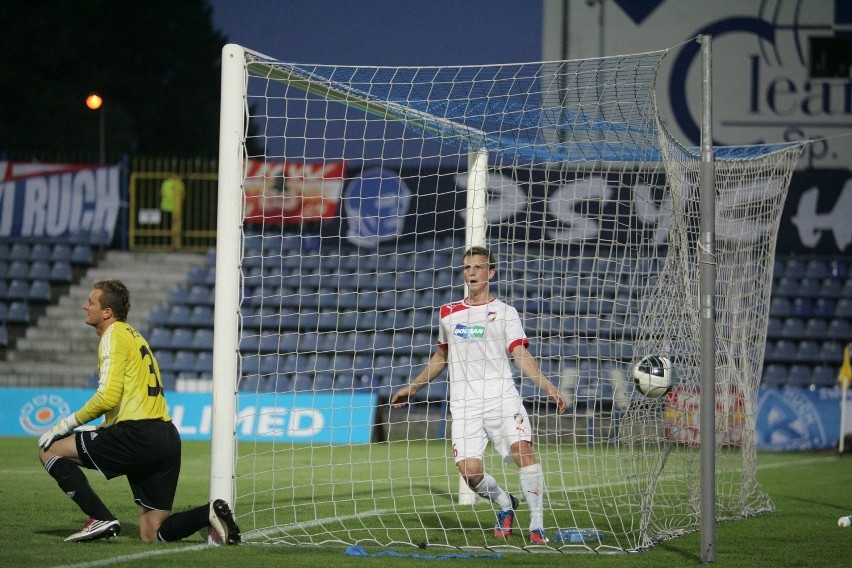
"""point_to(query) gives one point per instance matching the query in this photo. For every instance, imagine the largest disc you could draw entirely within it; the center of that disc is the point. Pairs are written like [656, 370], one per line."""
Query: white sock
[532, 484]
[489, 489]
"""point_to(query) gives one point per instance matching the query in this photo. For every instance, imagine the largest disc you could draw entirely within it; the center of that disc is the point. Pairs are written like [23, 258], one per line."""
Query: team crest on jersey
[519, 419]
[469, 331]
[38, 413]
[492, 316]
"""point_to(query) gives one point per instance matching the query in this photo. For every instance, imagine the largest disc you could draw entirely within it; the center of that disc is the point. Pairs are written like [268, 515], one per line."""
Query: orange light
[94, 101]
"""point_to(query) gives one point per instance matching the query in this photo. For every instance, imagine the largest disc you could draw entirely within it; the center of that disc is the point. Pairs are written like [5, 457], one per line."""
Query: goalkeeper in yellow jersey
[137, 438]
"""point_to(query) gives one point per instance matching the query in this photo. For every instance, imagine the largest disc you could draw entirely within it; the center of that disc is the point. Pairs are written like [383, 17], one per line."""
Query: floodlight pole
[707, 306]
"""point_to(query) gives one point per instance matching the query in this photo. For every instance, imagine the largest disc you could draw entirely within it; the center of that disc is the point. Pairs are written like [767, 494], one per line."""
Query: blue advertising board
[298, 417]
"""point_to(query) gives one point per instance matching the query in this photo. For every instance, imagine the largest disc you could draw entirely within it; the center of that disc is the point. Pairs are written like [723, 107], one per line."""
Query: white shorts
[471, 434]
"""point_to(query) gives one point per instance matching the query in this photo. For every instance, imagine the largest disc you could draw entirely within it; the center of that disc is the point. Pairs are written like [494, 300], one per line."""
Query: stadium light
[95, 102]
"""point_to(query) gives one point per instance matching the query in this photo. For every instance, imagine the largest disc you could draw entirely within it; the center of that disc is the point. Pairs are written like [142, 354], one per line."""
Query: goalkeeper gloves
[60, 429]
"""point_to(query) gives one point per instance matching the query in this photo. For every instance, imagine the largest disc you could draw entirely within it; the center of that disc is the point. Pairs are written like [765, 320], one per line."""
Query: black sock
[73, 482]
[181, 525]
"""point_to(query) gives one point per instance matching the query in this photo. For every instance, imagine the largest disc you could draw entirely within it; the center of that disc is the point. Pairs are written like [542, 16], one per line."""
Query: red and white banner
[292, 192]
[683, 417]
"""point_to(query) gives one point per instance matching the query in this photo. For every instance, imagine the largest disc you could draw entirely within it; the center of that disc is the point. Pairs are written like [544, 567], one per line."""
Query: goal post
[347, 195]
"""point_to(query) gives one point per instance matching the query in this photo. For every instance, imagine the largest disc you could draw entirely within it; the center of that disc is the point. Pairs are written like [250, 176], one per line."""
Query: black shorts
[146, 451]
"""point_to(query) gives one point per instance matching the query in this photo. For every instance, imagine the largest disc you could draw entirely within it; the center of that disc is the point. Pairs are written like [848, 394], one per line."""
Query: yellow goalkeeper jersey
[129, 386]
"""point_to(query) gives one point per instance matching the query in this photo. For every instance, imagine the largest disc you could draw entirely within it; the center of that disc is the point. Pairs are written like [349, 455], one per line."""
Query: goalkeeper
[137, 438]
[475, 338]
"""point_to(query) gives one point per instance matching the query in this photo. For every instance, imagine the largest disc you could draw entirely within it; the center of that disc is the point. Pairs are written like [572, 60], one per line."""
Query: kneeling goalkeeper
[137, 438]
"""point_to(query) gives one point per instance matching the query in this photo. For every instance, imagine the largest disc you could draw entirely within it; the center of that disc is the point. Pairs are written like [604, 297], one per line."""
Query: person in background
[475, 339]
[137, 438]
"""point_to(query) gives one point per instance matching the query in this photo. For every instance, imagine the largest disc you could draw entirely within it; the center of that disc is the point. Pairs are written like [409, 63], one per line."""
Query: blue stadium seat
[779, 307]
[774, 328]
[19, 251]
[838, 269]
[40, 252]
[179, 294]
[200, 296]
[831, 288]
[39, 291]
[19, 312]
[816, 268]
[786, 287]
[4, 335]
[181, 339]
[250, 364]
[165, 359]
[281, 383]
[82, 255]
[204, 363]
[323, 382]
[160, 338]
[843, 309]
[785, 350]
[793, 328]
[197, 276]
[61, 272]
[831, 352]
[823, 307]
[201, 316]
[824, 376]
[18, 290]
[184, 362]
[799, 375]
[19, 269]
[839, 328]
[202, 339]
[794, 268]
[60, 252]
[39, 270]
[5, 249]
[774, 375]
[801, 307]
[815, 328]
[808, 351]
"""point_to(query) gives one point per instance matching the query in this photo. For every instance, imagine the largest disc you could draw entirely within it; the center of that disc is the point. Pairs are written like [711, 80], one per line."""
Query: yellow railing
[172, 204]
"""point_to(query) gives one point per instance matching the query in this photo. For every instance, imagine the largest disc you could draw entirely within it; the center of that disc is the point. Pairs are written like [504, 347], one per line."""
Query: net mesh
[355, 192]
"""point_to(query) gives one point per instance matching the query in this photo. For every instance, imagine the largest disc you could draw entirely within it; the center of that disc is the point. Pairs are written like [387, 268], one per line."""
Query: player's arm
[436, 365]
[529, 368]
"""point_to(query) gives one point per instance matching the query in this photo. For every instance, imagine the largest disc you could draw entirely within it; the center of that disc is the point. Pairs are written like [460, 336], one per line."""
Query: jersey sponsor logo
[469, 331]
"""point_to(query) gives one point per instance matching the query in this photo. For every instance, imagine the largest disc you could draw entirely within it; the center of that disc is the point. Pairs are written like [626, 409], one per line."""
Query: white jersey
[479, 340]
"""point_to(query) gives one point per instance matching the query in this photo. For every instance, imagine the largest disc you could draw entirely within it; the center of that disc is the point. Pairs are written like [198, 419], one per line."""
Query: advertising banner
[292, 192]
[329, 418]
[50, 201]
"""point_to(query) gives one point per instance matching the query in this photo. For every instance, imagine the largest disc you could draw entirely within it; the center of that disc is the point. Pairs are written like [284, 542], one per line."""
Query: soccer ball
[653, 376]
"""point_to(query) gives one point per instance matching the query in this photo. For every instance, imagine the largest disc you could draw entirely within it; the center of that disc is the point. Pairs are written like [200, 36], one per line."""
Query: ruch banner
[47, 201]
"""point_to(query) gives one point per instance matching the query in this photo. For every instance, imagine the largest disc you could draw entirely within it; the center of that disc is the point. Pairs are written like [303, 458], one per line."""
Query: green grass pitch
[810, 491]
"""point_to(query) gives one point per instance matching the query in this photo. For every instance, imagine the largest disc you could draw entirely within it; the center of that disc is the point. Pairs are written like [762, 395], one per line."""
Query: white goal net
[347, 197]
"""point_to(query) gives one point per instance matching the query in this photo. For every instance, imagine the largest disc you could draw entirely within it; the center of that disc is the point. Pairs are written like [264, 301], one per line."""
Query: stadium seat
[816, 268]
[786, 287]
[843, 309]
[201, 295]
[823, 307]
[815, 328]
[281, 383]
[774, 328]
[793, 328]
[838, 269]
[19, 269]
[809, 287]
[201, 316]
[160, 338]
[61, 272]
[184, 362]
[19, 312]
[19, 251]
[799, 375]
[39, 270]
[18, 290]
[5, 249]
[60, 252]
[158, 316]
[82, 255]
[202, 339]
[39, 292]
[794, 268]
[831, 288]
[808, 351]
[779, 307]
[839, 328]
[785, 350]
[40, 252]
[824, 376]
[182, 339]
[165, 359]
[831, 352]
[774, 375]
[204, 363]
[801, 307]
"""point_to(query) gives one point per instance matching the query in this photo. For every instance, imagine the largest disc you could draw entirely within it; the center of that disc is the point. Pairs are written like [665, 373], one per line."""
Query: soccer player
[475, 338]
[137, 438]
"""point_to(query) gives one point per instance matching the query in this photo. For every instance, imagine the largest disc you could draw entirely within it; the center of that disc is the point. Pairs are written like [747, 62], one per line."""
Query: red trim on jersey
[515, 343]
[452, 308]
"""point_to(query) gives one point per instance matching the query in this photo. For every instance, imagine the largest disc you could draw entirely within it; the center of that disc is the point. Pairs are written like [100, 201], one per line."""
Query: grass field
[810, 491]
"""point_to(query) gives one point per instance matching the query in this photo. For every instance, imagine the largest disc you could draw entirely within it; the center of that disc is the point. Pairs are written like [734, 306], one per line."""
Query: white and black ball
[653, 376]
